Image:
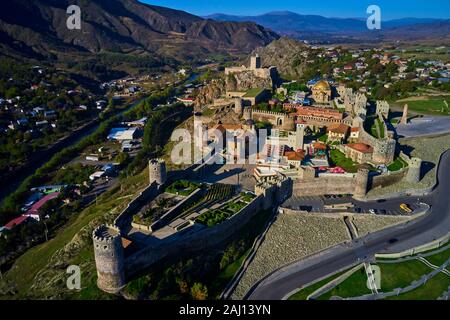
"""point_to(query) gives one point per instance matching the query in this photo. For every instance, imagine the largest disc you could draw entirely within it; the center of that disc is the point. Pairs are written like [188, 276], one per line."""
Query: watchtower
[361, 183]
[109, 258]
[414, 170]
[247, 113]
[157, 171]
[255, 62]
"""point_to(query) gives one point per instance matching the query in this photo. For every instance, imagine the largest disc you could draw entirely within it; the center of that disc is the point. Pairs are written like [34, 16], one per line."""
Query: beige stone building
[358, 152]
[338, 132]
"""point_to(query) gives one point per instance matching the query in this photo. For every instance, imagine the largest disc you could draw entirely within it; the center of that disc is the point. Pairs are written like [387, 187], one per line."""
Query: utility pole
[45, 232]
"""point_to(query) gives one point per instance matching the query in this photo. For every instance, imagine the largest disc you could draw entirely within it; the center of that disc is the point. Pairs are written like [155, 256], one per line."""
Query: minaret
[404, 119]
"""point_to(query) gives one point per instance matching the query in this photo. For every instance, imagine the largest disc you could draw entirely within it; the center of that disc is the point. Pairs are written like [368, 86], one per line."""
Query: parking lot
[345, 203]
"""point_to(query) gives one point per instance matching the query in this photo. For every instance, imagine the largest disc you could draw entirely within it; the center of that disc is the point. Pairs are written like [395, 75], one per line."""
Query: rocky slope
[285, 54]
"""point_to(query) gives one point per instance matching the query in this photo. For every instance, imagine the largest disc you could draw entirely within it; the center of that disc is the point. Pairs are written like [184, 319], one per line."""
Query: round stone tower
[414, 169]
[157, 171]
[238, 106]
[109, 258]
[247, 113]
[361, 183]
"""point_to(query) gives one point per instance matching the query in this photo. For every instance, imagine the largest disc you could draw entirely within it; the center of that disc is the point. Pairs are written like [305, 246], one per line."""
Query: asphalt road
[424, 127]
[392, 207]
[429, 227]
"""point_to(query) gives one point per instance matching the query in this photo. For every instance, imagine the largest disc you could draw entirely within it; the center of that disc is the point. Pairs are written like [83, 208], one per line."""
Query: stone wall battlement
[105, 233]
[278, 114]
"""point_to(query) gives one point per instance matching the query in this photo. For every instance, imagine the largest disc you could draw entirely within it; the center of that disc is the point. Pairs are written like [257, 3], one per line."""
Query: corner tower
[414, 170]
[157, 171]
[361, 183]
[109, 258]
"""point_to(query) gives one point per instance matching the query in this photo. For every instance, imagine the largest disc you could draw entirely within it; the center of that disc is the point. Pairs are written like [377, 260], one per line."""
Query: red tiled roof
[15, 222]
[339, 128]
[295, 155]
[355, 129]
[319, 145]
[361, 147]
[314, 111]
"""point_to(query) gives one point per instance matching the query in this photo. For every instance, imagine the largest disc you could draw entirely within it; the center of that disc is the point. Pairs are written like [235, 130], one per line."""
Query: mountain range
[316, 27]
[285, 21]
[38, 29]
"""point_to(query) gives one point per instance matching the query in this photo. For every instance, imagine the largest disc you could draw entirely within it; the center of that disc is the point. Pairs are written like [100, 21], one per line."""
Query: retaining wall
[422, 248]
[324, 185]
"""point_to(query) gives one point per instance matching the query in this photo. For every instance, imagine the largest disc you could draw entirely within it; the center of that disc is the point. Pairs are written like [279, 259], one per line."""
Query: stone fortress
[288, 164]
[251, 84]
[117, 263]
[256, 70]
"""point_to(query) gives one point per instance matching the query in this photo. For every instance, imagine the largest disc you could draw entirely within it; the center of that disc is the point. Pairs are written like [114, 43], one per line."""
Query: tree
[199, 291]
[184, 286]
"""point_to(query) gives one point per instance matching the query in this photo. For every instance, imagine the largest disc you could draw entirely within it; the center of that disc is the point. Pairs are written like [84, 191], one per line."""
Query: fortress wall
[185, 244]
[387, 179]
[365, 137]
[145, 196]
[177, 210]
[324, 185]
[151, 192]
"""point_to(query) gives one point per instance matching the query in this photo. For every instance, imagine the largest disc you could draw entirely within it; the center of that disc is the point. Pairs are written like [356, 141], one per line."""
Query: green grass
[373, 129]
[433, 106]
[208, 112]
[431, 290]
[339, 159]
[323, 138]
[353, 286]
[89, 289]
[305, 292]
[398, 164]
[247, 197]
[182, 187]
[30, 263]
[252, 93]
[439, 259]
[395, 121]
[400, 275]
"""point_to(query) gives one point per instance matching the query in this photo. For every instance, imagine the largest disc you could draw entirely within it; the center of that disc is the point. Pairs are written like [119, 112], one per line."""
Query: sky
[390, 9]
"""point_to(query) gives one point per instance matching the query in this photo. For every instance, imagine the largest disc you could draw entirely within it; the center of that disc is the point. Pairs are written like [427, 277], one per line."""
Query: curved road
[433, 225]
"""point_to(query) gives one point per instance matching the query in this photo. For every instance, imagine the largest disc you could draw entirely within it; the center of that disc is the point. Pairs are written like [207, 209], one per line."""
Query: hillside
[38, 29]
[285, 54]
